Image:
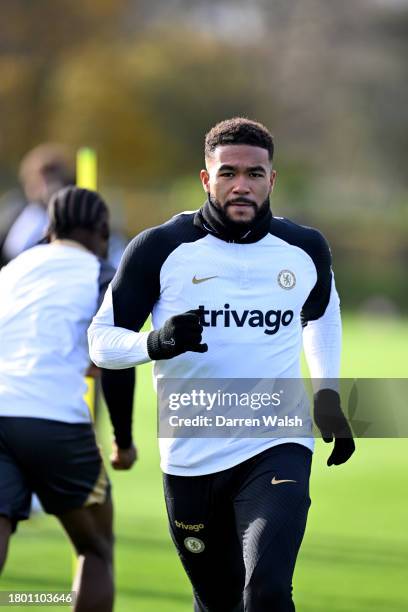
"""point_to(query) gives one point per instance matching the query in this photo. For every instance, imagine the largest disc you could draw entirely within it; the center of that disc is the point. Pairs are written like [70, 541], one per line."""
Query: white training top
[253, 300]
[48, 296]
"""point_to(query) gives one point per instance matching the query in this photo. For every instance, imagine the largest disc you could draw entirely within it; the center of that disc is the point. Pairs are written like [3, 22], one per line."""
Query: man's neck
[70, 243]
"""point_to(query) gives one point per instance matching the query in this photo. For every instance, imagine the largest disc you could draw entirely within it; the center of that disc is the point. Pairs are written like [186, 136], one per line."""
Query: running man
[49, 295]
[237, 508]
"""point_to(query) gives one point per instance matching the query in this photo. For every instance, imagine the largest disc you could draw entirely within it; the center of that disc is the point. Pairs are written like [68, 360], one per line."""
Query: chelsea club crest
[286, 279]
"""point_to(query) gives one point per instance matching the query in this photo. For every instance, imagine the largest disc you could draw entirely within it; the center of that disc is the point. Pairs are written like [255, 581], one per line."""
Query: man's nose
[241, 185]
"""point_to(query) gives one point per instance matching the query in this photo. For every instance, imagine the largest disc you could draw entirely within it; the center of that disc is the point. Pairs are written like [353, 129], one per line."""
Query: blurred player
[23, 216]
[229, 288]
[49, 294]
[43, 171]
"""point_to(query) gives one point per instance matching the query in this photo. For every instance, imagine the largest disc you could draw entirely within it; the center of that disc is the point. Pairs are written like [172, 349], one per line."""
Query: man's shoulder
[176, 230]
[307, 238]
[153, 246]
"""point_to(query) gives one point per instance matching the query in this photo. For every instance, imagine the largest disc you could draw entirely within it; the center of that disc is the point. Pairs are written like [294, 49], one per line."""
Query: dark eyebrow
[225, 167]
[256, 169]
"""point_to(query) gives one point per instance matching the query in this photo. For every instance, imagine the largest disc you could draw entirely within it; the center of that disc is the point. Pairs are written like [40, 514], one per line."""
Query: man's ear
[205, 180]
[273, 179]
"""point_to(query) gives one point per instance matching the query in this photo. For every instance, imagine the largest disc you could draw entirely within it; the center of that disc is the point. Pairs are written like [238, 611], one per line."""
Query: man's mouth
[241, 203]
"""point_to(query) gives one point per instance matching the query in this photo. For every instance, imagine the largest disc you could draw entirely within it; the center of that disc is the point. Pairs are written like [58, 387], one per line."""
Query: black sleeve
[135, 289]
[136, 286]
[118, 386]
[315, 245]
[318, 299]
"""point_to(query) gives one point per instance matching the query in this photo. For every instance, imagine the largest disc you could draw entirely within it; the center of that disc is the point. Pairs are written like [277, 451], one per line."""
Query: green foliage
[142, 82]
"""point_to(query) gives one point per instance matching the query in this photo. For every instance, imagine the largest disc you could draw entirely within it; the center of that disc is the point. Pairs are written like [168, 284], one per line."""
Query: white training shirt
[285, 276]
[48, 296]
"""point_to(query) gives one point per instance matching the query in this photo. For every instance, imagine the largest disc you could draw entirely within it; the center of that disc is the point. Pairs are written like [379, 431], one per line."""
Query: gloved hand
[179, 334]
[331, 421]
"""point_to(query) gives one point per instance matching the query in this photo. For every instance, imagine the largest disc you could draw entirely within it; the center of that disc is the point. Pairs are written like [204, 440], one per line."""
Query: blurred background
[142, 82]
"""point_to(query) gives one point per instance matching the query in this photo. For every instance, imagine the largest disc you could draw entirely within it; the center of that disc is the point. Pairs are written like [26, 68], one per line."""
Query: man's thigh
[61, 462]
[15, 491]
[271, 510]
[203, 530]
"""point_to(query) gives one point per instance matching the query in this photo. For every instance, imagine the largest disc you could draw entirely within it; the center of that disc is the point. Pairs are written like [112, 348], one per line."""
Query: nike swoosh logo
[275, 481]
[197, 281]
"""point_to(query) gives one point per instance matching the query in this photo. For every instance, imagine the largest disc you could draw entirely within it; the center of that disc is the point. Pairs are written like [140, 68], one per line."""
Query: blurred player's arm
[118, 388]
[321, 318]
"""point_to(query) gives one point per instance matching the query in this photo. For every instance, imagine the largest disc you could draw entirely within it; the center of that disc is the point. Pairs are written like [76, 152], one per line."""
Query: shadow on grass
[36, 582]
[122, 539]
[351, 604]
[315, 549]
[358, 551]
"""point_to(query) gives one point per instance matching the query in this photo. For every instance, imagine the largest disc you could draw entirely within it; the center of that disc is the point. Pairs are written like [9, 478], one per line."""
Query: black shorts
[60, 462]
[238, 531]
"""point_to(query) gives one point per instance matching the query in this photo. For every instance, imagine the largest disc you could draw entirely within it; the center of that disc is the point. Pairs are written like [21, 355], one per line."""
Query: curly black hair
[239, 130]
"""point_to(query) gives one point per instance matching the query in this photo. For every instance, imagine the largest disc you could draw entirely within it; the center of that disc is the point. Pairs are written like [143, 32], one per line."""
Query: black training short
[238, 531]
[60, 462]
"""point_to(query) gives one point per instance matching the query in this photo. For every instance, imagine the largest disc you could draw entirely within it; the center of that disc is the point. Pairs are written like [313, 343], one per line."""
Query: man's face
[239, 179]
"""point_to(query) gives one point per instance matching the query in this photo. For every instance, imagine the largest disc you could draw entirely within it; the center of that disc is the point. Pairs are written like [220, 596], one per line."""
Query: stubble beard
[223, 212]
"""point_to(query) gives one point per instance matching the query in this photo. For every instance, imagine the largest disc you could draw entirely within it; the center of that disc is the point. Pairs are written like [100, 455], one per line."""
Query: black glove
[179, 334]
[331, 421]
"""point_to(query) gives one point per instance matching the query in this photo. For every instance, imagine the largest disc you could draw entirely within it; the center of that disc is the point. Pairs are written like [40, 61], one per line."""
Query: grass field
[355, 553]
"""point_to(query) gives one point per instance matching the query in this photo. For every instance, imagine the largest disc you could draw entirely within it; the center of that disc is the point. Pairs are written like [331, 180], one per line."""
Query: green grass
[354, 557]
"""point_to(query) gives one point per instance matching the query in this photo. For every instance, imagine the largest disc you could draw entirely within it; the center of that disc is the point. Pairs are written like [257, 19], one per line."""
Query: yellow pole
[86, 170]
[86, 177]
